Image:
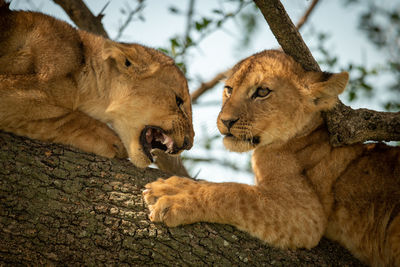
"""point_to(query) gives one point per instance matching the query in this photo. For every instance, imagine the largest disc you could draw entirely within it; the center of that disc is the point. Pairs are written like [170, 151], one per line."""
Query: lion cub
[305, 188]
[65, 85]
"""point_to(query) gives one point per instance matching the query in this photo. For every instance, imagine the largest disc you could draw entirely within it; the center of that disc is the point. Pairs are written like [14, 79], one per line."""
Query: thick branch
[286, 33]
[60, 206]
[82, 16]
[344, 129]
[348, 126]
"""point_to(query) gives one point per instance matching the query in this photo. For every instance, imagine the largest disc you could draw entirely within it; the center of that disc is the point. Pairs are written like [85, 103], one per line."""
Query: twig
[211, 30]
[189, 26]
[306, 15]
[129, 18]
[205, 86]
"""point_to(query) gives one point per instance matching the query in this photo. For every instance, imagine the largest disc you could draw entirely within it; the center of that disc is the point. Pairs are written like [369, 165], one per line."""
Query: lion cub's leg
[79, 130]
[280, 218]
[27, 108]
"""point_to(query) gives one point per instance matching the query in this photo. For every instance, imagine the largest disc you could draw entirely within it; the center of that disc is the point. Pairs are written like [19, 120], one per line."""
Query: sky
[219, 52]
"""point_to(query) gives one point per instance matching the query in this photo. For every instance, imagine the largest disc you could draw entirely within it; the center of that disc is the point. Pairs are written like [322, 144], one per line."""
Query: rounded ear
[111, 50]
[129, 58]
[325, 88]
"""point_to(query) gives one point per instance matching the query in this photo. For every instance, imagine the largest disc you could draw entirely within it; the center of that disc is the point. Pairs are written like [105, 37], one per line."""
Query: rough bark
[345, 125]
[286, 33]
[361, 125]
[60, 206]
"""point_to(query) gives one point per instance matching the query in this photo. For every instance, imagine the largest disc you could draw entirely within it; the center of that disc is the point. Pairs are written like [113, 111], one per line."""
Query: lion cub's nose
[187, 144]
[229, 123]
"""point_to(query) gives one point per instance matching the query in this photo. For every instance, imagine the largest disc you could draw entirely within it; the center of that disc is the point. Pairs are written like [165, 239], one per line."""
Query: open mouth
[254, 140]
[153, 137]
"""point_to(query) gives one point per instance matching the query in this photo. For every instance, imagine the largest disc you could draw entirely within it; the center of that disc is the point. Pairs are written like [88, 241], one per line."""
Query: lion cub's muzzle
[153, 137]
[232, 133]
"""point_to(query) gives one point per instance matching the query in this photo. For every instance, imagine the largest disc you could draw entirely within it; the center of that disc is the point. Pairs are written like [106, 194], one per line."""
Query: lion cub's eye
[261, 92]
[127, 62]
[228, 91]
[179, 101]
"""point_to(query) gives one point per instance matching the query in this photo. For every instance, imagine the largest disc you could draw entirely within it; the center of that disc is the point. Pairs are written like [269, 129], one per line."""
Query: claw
[146, 191]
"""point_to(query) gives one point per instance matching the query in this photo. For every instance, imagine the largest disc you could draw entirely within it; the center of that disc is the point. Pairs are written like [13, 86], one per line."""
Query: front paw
[173, 201]
[119, 149]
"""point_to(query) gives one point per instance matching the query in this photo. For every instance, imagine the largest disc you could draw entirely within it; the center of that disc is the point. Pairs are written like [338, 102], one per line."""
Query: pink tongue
[149, 137]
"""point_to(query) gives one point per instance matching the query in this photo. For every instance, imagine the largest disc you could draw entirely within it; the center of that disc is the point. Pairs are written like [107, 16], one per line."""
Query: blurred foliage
[361, 81]
[379, 21]
[200, 26]
[128, 15]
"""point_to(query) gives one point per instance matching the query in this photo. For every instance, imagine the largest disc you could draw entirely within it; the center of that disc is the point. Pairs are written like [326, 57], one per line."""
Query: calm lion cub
[305, 188]
[65, 85]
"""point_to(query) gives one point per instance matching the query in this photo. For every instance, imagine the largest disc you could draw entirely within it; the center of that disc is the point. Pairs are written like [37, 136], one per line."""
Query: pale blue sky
[217, 53]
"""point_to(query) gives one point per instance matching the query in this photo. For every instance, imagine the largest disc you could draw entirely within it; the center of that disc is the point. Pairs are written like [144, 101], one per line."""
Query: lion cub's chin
[236, 145]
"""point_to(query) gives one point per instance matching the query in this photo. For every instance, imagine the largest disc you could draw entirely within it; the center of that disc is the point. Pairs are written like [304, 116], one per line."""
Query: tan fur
[65, 85]
[305, 188]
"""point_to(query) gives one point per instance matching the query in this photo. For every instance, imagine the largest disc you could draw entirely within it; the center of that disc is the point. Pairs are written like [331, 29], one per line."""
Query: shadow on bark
[60, 206]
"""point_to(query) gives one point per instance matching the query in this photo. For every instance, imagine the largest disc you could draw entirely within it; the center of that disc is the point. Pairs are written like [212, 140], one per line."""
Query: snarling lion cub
[305, 188]
[66, 85]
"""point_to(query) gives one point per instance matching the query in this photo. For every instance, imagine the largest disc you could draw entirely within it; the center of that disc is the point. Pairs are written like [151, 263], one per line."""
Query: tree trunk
[61, 206]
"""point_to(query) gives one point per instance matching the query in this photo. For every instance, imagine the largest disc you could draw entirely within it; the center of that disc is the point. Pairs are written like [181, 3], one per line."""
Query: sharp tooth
[168, 142]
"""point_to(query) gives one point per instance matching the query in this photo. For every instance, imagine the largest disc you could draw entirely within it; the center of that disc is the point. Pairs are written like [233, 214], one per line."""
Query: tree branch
[82, 16]
[205, 86]
[344, 129]
[286, 33]
[306, 15]
[349, 126]
[61, 206]
[129, 18]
